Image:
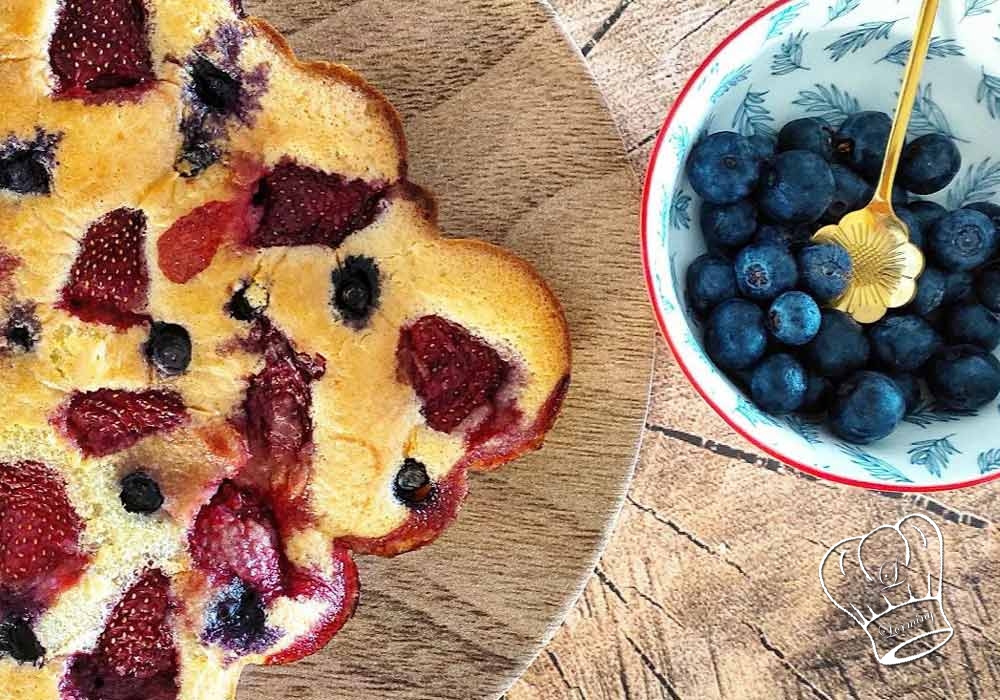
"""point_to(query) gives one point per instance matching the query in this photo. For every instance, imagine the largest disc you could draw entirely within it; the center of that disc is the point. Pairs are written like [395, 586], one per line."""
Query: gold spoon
[886, 264]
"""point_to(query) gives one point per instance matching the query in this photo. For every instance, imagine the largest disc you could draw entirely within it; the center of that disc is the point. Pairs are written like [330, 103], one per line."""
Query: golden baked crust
[337, 490]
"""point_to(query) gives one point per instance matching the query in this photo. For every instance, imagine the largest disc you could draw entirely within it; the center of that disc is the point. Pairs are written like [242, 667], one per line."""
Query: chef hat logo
[889, 583]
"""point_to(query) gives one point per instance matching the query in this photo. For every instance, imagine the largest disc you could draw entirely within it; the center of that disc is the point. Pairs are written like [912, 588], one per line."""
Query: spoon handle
[907, 96]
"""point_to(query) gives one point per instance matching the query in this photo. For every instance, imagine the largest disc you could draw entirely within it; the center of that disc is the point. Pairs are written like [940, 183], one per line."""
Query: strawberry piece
[235, 536]
[39, 535]
[189, 246]
[340, 593]
[108, 282]
[452, 371]
[278, 401]
[106, 421]
[135, 656]
[304, 206]
[100, 48]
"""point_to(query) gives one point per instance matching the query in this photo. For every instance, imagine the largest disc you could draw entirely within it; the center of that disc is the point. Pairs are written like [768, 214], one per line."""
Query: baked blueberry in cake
[237, 352]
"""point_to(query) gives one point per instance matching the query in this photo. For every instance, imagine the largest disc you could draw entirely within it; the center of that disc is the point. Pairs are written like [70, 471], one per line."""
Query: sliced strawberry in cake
[454, 373]
[39, 538]
[100, 49]
[109, 280]
[235, 537]
[303, 206]
[277, 421]
[135, 655]
[106, 421]
[235, 543]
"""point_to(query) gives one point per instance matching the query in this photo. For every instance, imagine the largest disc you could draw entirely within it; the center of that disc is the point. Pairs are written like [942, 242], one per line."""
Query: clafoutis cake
[236, 351]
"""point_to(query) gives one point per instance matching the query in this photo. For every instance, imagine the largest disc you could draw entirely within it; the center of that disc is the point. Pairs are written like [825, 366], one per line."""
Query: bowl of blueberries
[782, 131]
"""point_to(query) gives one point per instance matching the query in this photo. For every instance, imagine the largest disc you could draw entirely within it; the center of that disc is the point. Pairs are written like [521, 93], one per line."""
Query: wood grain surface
[507, 127]
[709, 587]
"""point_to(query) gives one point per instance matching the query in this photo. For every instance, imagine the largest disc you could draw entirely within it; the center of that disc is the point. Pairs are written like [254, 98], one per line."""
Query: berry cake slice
[235, 350]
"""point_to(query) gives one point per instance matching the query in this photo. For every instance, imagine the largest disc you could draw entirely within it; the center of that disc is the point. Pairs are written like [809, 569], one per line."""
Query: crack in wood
[694, 539]
[665, 684]
[658, 605]
[605, 27]
[574, 689]
[622, 675]
[701, 25]
[946, 512]
[734, 453]
[610, 585]
[976, 628]
[922, 501]
[649, 138]
[715, 669]
[766, 643]
[847, 681]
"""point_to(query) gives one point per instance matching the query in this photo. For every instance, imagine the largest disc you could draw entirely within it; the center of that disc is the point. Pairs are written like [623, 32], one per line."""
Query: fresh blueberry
[826, 270]
[990, 209]
[963, 240]
[788, 237]
[236, 620]
[797, 188]
[169, 348]
[18, 641]
[724, 168]
[851, 192]
[932, 286]
[413, 486]
[356, 289]
[728, 225]
[765, 271]
[779, 384]
[710, 281]
[973, 324]
[909, 385]
[988, 286]
[867, 408]
[807, 134]
[903, 343]
[140, 494]
[861, 142]
[735, 336]
[819, 390]
[763, 147]
[914, 225]
[794, 318]
[959, 287]
[929, 164]
[929, 213]
[840, 348]
[964, 377]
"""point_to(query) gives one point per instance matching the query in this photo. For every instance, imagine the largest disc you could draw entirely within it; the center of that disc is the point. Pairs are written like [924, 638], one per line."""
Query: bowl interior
[828, 58]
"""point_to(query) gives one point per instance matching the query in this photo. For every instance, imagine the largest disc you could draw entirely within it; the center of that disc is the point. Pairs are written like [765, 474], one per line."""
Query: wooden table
[708, 588]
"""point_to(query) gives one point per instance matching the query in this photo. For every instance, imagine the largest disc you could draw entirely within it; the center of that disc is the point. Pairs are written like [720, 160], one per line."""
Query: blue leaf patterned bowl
[828, 58]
